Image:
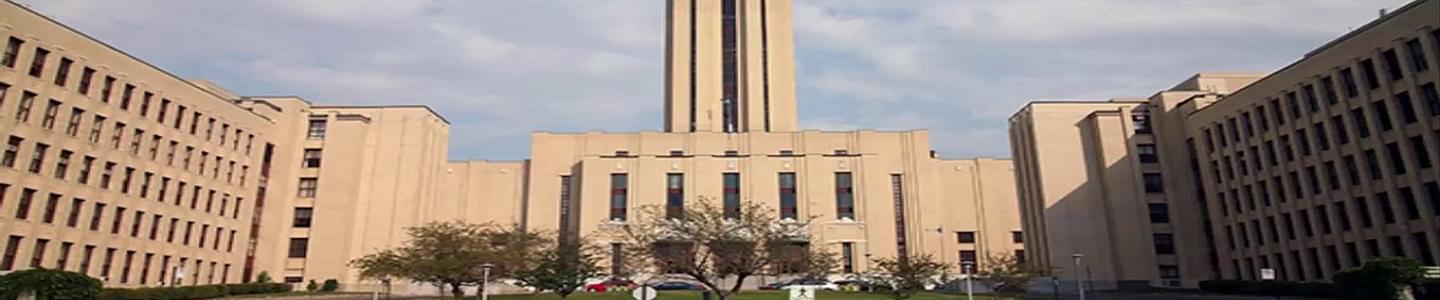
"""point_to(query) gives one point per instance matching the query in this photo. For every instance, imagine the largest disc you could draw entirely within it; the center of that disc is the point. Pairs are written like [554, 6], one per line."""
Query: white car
[818, 284]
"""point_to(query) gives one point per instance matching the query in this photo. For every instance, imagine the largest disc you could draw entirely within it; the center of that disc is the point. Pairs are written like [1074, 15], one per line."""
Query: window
[126, 95]
[1017, 237]
[52, 110]
[844, 196]
[37, 257]
[1347, 81]
[145, 98]
[1169, 272]
[62, 72]
[12, 150]
[1407, 108]
[72, 128]
[37, 64]
[847, 256]
[1412, 208]
[965, 237]
[1423, 244]
[1154, 183]
[308, 186]
[1417, 55]
[76, 205]
[95, 215]
[1159, 213]
[117, 218]
[302, 216]
[1372, 160]
[86, 75]
[12, 54]
[969, 256]
[1148, 153]
[1327, 85]
[299, 247]
[317, 130]
[1392, 64]
[731, 182]
[51, 206]
[27, 100]
[1382, 116]
[1337, 123]
[789, 209]
[674, 196]
[619, 195]
[1432, 98]
[312, 158]
[1362, 208]
[1367, 70]
[95, 127]
[1397, 162]
[37, 157]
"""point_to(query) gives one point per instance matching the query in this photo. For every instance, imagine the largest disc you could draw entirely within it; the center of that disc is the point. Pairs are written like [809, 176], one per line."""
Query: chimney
[1382, 12]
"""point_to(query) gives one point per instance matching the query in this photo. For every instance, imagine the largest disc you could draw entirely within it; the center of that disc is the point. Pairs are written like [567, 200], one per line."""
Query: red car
[601, 287]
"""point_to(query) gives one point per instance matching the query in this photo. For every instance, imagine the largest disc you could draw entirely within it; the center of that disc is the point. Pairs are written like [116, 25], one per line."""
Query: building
[1330, 161]
[307, 187]
[1167, 183]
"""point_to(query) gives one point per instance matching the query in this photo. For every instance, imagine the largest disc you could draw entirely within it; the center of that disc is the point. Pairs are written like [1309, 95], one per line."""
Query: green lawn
[746, 295]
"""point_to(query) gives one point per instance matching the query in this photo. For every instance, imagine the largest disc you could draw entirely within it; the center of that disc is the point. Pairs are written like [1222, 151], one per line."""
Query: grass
[746, 295]
[293, 295]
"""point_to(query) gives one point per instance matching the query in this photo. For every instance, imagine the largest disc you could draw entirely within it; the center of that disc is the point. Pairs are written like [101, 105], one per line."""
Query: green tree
[264, 277]
[449, 254]
[1007, 273]
[902, 277]
[330, 285]
[1380, 278]
[707, 243]
[49, 284]
[562, 268]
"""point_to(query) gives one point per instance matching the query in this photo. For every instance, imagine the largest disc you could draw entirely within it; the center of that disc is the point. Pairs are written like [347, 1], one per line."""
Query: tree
[330, 285]
[1380, 278]
[905, 275]
[49, 284]
[562, 268]
[264, 277]
[1007, 273]
[312, 286]
[708, 244]
[451, 253]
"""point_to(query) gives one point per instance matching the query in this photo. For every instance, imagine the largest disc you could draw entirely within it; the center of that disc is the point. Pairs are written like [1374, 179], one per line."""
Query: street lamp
[968, 267]
[1078, 281]
[485, 280]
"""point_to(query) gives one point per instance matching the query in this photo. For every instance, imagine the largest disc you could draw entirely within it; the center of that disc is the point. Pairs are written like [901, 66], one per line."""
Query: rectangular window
[37, 64]
[299, 247]
[308, 186]
[312, 158]
[844, 196]
[52, 110]
[1159, 213]
[731, 191]
[1407, 108]
[37, 256]
[62, 71]
[789, 208]
[847, 257]
[1382, 116]
[1412, 207]
[302, 217]
[1432, 98]
[1372, 162]
[51, 206]
[27, 100]
[1164, 243]
[1347, 81]
[12, 54]
[72, 127]
[1337, 123]
[1343, 216]
[1420, 152]
[1327, 85]
[12, 247]
[1362, 208]
[317, 130]
[1422, 243]
[1154, 183]
[897, 190]
[965, 237]
[1392, 64]
[76, 205]
[37, 157]
[1147, 153]
[12, 150]
[1397, 161]
[674, 196]
[1308, 93]
[1367, 70]
[22, 209]
[619, 195]
[86, 75]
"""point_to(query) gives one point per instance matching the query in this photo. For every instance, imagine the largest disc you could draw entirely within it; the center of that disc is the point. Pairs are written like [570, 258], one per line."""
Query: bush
[193, 292]
[49, 284]
[312, 286]
[1381, 278]
[1270, 288]
[330, 285]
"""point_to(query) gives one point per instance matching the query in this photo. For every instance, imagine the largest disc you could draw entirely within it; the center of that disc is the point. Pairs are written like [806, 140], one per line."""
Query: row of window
[50, 213]
[137, 140]
[675, 195]
[62, 261]
[40, 57]
[1308, 95]
[1409, 208]
[131, 180]
[682, 154]
[1296, 183]
[1258, 196]
[969, 237]
[1313, 265]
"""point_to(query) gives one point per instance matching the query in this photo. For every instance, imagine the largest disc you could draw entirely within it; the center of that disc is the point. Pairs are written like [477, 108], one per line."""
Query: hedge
[194, 292]
[49, 284]
[1271, 288]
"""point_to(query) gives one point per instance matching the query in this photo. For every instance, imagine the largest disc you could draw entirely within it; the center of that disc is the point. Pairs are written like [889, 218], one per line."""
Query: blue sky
[500, 69]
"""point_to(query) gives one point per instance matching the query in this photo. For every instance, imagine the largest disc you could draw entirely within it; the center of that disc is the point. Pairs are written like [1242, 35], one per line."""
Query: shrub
[49, 284]
[264, 277]
[1269, 288]
[312, 286]
[1381, 278]
[330, 285]
[193, 292]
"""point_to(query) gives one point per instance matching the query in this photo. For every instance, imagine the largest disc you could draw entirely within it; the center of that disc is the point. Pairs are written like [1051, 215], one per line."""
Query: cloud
[499, 69]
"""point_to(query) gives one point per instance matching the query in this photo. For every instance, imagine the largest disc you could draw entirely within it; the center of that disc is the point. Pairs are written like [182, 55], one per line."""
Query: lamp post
[1079, 282]
[968, 267]
[485, 280]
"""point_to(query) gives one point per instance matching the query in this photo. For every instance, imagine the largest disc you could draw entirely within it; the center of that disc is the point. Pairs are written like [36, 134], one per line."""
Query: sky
[501, 69]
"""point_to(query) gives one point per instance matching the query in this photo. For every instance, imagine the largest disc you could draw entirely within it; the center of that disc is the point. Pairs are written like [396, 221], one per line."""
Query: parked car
[675, 286]
[609, 284]
[819, 284]
[857, 285]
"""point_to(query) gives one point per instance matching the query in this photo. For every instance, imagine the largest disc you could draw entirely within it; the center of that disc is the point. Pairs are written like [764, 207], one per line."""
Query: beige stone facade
[306, 187]
[1308, 170]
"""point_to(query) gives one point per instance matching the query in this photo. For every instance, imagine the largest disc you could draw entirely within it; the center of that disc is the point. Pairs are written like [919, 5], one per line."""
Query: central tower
[729, 66]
